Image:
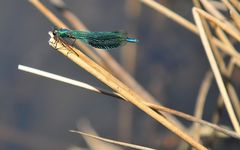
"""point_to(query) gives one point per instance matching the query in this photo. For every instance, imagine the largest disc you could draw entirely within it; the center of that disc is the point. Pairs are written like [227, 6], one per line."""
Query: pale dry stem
[131, 96]
[216, 70]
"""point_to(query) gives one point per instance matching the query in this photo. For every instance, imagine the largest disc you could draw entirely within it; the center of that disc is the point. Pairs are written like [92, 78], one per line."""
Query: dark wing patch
[107, 40]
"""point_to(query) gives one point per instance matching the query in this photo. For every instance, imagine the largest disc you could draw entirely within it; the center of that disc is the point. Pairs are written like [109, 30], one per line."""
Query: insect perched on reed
[102, 40]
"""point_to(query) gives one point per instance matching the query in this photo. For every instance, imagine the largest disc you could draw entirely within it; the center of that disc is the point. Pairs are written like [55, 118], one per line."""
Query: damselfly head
[61, 32]
[55, 30]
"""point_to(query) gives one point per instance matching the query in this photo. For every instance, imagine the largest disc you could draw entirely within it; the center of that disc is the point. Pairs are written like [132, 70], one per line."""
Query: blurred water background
[36, 113]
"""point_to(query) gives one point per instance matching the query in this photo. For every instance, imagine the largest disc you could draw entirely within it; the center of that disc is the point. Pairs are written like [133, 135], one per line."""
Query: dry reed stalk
[196, 132]
[213, 10]
[113, 141]
[229, 70]
[236, 18]
[194, 119]
[232, 52]
[223, 37]
[131, 96]
[233, 13]
[108, 63]
[234, 33]
[216, 71]
[216, 53]
[117, 95]
[219, 5]
[236, 4]
[179, 19]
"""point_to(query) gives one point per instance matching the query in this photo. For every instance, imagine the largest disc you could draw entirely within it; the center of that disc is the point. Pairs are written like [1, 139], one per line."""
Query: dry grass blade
[215, 12]
[229, 70]
[177, 18]
[212, 9]
[236, 18]
[216, 70]
[232, 51]
[233, 12]
[219, 23]
[218, 5]
[235, 56]
[217, 54]
[194, 119]
[65, 80]
[113, 141]
[116, 95]
[107, 78]
[236, 4]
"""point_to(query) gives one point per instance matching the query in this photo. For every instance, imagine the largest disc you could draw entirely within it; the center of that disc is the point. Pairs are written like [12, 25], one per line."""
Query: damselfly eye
[55, 30]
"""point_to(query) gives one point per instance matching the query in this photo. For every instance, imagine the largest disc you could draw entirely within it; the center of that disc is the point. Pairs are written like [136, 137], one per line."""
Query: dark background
[36, 113]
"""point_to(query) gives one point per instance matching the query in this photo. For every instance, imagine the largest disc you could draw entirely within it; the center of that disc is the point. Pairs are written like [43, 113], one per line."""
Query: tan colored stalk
[236, 4]
[216, 70]
[131, 96]
[229, 70]
[219, 23]
[236, 18]
[233, 12]
[213, 10]
[179, 19]
[232, 51]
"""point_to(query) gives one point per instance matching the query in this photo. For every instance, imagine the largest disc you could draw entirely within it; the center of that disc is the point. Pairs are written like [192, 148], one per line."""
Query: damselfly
[102, 40]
